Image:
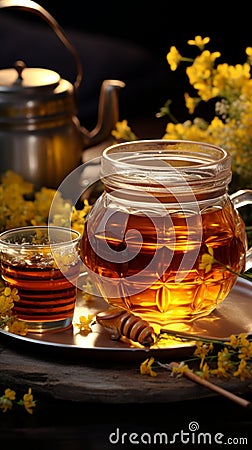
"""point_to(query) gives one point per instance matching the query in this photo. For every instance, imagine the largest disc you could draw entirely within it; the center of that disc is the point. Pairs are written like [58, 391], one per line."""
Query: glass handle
[241, 198]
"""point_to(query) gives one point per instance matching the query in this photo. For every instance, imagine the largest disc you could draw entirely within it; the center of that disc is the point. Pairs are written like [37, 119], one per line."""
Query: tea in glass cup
[43, 263]
[161, 238]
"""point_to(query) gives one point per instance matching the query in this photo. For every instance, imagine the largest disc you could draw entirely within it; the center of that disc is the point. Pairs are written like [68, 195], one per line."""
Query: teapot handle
[32, 6]
[241, 198]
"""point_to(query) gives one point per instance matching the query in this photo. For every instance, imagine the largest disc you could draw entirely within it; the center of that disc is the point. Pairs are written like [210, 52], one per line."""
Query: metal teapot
[40, 134]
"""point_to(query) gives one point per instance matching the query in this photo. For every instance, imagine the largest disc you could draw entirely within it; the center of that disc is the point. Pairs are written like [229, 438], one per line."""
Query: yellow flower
[201, 74]
[180, 369]
[203, 349]
[6, 304]
[9, 393]
[228, 362]
[225, 365]
[28, 401]
[18, 327]
[231, 124]
[246, 351]
[7, 298]
[9, 397]
[146, 367]
[173, 58]
[187, 130]
[6, 401]
[204, 371]
[20, 205]
[242, 371]
[84, 324]
[238, 341]
[207, 260]
[123, 131]
[236, 76]
[191, 102]
[248, 51]
[199, 42]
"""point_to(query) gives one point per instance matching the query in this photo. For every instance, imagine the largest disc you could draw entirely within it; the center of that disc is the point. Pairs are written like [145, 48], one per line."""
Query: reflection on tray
[233, 316]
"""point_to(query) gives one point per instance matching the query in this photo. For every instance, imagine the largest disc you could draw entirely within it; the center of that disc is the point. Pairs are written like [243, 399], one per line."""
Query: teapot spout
[108, 114]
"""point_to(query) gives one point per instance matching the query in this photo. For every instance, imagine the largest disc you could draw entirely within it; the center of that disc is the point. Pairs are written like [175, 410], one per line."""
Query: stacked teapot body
[40, 135]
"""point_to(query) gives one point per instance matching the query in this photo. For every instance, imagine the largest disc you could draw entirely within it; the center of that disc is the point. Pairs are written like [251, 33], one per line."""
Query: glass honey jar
[165, 240]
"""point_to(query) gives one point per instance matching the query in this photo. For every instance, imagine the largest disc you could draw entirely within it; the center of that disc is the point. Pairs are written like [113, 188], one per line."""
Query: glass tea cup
[160, 239]
[43, 263]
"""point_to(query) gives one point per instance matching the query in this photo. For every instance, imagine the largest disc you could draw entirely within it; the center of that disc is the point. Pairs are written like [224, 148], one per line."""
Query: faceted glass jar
[164, 240]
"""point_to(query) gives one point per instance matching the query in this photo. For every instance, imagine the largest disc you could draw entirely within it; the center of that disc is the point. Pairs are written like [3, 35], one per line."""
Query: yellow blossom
[6, 304]
[5, 403]
[21, 205]
[146, 367]
[207, 260]
[187, 130]
[17, 326]
[242, 371]
[225, 365]
[201, 74]
[246, 351]
[204, 371]
[123, 131]
[231, 87]
[9, 393]
[199, 42]
[9, 398]
[238, 341]
[84, 324]
[235, 76]
[191, 102]
[173, 58]
[28, 401]
[8, 297]
[180, 369]
[203, 349]
[248, 51]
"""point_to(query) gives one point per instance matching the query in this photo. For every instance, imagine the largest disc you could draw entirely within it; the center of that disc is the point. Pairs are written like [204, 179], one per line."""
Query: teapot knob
[19, 66]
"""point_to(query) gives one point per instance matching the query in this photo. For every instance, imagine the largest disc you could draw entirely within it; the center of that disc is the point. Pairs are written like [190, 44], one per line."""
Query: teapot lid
[20, 77]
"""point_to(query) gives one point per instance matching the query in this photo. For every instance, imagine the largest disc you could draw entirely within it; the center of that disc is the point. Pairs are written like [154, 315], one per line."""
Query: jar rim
[176, 164]
[57, 236]
[123, 154]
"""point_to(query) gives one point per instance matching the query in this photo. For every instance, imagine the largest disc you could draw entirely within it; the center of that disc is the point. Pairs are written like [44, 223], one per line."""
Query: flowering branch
[205, 383]
[230, 87]
[234, 358]
[9, 399]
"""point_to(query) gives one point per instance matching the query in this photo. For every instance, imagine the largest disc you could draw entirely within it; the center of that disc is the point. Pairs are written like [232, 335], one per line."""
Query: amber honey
[165, 204]
[43, 264]
[45, 293]
[150, 289]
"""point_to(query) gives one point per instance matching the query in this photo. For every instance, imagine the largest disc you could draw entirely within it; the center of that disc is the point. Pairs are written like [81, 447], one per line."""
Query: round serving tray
[232, 316]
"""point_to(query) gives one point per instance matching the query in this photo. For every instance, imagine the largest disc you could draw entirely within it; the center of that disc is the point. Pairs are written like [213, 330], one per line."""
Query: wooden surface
[61, 378]
[80, 404]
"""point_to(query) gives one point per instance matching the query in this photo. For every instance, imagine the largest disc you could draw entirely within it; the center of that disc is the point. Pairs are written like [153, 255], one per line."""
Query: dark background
[127, 42]
[159, 24]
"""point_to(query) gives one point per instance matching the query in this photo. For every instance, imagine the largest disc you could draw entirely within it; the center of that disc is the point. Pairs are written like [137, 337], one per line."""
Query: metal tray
[233, 316]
